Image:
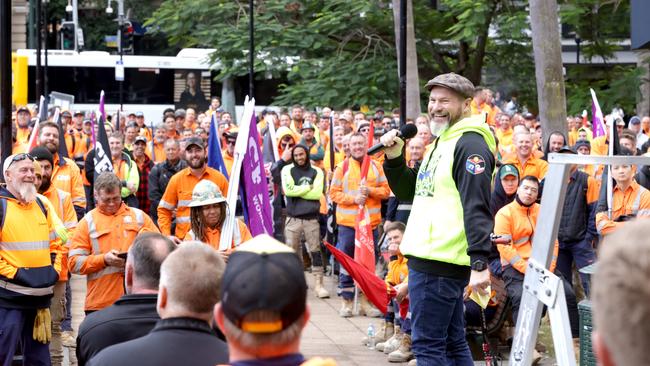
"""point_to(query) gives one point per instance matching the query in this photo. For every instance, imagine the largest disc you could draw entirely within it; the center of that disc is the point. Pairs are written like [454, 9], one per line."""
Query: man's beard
[53, 149]
[26, 191]
[437, 128]
[45, 185]
[198, 165]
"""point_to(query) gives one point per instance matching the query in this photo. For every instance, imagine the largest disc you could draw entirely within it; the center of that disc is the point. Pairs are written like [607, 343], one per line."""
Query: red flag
[364, 245]
[372, 286]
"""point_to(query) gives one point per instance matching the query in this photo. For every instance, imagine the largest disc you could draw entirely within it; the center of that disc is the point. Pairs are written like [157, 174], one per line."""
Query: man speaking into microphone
[447, 238]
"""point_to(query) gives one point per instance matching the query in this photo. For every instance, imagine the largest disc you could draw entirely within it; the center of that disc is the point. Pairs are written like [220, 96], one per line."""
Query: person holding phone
[100, 237]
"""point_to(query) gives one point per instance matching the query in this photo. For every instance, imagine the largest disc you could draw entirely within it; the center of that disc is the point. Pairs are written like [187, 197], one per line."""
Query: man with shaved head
[190, 285]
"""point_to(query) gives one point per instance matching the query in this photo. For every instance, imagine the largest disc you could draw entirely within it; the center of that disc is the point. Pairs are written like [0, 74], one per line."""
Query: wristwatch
[479, 265]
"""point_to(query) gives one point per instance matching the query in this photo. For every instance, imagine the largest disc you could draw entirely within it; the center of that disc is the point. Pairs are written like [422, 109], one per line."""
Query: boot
[386, 331]
[346, 309]
[397, 333]
[320, 291]
[366, 308]
[393, 343]
[403, 353]
[413, 362]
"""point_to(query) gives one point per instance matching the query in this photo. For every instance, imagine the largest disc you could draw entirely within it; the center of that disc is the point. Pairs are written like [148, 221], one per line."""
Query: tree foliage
[342, 53]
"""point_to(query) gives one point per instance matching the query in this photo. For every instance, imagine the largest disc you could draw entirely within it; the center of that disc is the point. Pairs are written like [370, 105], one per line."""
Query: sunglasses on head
[20, 157]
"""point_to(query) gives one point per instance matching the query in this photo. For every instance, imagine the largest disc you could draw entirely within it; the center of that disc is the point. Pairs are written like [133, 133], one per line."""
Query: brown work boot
[397, 334]
[366, 308]
[385, 332]
[403, 353]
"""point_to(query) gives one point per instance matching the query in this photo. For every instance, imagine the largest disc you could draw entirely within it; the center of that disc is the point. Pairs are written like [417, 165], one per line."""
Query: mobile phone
[122, 255]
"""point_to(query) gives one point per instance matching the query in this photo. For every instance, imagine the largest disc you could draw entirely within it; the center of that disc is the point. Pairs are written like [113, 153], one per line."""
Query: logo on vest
[475, 164]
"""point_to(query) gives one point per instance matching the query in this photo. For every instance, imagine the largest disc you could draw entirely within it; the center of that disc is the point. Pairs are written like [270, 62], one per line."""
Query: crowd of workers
[472, 223]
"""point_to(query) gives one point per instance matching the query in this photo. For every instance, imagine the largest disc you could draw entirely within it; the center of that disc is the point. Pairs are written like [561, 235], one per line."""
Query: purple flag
[597, 123]
[255, 185]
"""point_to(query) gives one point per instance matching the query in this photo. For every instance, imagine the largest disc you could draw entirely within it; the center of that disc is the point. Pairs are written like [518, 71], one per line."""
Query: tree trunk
[228, 98]
[547, 50]
[412, 79]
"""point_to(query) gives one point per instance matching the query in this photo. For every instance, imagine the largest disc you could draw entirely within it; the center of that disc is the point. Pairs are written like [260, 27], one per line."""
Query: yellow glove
[62, 233]
[43, 326]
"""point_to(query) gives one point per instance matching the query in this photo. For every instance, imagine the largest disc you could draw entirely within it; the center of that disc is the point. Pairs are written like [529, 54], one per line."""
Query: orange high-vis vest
[517, 224]
[96, 235]
[345, 187]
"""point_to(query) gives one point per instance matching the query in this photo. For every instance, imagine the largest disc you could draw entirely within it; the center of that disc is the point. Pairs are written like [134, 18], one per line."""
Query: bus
[151, 83]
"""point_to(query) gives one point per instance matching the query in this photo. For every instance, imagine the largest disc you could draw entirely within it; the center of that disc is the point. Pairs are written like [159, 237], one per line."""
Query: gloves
[62, 233]
[393, 144]
[43, 326]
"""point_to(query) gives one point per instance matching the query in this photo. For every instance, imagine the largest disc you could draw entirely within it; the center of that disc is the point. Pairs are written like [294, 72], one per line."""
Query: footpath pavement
[326, 335]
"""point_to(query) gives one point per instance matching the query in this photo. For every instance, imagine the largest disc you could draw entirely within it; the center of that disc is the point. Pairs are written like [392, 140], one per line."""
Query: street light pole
[5, 79]
[39, 45]
[120, 21]
[402, 62]
[251, 49]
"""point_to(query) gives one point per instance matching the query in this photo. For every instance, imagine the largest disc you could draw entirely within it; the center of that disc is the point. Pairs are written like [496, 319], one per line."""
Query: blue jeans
[346, 245]
[437, 320]
[17, 327]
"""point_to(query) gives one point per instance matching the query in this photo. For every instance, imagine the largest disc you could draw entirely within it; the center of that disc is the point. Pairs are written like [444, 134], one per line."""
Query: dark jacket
[578, 220]
[643, 176]
[499, 198]
[173, 341]
[158, 180]
[302, 202]
[131, 317]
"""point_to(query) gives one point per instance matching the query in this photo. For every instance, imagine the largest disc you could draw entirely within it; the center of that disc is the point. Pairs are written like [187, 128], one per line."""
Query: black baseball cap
[264, 274]
[195, 141]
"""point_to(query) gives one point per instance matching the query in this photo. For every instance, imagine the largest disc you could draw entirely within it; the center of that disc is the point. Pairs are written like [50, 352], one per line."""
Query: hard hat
[206, 193]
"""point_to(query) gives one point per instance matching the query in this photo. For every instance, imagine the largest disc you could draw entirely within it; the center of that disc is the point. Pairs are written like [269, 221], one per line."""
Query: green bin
[587, 356]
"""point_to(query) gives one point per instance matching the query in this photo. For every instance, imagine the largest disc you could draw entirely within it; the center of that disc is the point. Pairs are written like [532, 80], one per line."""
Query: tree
[337, 53]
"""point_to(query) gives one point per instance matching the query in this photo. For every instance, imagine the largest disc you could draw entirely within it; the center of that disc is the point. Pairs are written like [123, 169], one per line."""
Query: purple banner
[597, 123]
[257, 193]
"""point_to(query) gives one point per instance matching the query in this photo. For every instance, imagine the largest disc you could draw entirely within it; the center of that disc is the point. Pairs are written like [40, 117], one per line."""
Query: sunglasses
[288, 145]
[230, 142]
[20, 157]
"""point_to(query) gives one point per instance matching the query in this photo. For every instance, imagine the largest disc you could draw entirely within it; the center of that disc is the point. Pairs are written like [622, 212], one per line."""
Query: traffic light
[127, 37]
[67, 35]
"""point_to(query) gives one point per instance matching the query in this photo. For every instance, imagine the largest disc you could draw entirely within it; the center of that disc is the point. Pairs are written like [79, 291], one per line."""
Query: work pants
[293, 231]
[582, 253]
[346, 245]
[57, 311]
[514, 281]
[17, 327]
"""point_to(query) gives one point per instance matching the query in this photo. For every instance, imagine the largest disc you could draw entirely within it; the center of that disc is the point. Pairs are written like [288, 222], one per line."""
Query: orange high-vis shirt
[178, 196]
[158, 155]
[96, 235]
[516, 223]
[533, 166]
[600, 146]
[213, 236]
[228, 160]
[634, 201]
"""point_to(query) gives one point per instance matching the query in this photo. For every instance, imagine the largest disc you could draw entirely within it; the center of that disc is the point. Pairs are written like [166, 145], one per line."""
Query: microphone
[407, 131]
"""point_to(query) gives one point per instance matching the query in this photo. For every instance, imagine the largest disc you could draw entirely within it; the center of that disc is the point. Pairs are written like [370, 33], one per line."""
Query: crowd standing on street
[457, 205]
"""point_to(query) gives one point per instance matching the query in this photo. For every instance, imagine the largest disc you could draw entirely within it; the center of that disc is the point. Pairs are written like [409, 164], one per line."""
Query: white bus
[151, 83]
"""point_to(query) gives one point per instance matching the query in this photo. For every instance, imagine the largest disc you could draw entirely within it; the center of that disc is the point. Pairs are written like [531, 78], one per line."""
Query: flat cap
[453, 81]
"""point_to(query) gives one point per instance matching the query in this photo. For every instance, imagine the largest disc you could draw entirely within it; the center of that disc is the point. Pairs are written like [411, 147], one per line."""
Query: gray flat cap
[453, 81]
